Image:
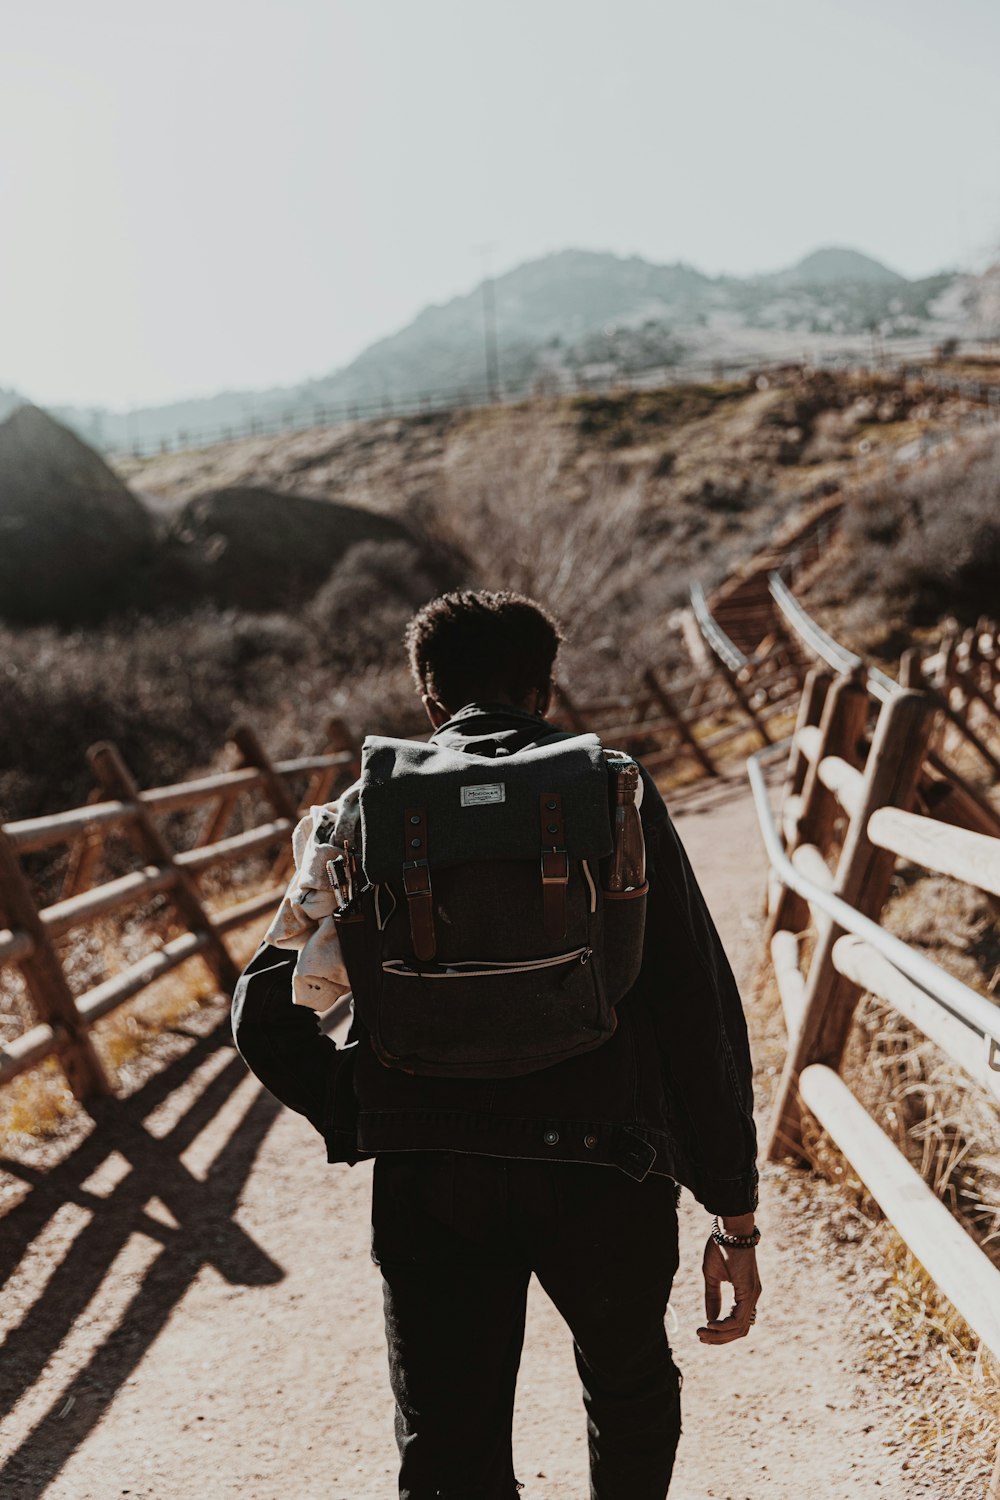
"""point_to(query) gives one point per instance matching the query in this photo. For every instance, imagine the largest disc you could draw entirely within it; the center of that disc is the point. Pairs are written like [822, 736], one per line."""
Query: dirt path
[212, 1322]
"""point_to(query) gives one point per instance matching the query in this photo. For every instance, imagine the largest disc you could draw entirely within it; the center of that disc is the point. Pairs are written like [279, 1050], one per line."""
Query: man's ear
[436, 712]
[545, 698]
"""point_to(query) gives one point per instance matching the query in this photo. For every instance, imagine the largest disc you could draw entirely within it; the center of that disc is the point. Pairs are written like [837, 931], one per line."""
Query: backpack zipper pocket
[482, 968]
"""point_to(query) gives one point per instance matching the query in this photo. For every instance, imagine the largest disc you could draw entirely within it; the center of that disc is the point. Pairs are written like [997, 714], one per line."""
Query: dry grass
[949, 1130]
[913, 550]
[944, 1384]
[945, 1381]
[947, 1385]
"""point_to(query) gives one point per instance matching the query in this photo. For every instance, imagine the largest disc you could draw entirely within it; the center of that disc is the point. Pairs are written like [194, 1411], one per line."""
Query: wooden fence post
[842, 725]
[248, 743]
[338, 738]
[810, 712]
[84, 853]
[863, 878]
[117, 781]
[743, 699]
[672, 712]
[47, 984]
[942, 698]
[218, 819]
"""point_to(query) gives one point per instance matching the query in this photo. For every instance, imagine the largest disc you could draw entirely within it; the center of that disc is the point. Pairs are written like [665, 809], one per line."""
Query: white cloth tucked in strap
[304, 920]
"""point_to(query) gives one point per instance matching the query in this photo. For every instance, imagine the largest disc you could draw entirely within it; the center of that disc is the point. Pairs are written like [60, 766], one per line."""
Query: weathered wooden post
[84, 852]
[673, 713]
[842, 723]
[117, 781]
[47, 984]
[863, 877]
[810, 713]
[339, 739]
[743, 699]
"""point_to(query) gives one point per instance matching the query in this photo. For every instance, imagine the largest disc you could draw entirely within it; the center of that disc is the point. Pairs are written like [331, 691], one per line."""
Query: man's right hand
[739, 1268]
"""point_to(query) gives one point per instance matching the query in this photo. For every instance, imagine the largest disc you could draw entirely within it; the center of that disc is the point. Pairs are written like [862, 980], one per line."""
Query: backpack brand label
[486, 791]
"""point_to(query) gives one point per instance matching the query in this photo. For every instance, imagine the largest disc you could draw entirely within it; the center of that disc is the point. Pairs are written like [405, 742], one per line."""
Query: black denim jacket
[669, 1093]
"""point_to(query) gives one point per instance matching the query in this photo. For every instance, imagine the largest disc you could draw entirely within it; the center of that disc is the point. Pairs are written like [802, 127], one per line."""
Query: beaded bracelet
[735, 1241]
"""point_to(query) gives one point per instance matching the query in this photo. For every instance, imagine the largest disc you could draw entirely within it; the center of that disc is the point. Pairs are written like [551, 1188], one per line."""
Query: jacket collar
[485, 728]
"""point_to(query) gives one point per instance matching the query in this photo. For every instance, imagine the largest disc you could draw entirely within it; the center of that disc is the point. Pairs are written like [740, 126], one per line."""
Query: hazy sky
[217, 193]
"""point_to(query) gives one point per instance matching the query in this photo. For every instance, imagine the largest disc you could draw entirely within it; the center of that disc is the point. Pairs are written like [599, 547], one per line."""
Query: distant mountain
[581, 313]
[835, 266]
[560, 301]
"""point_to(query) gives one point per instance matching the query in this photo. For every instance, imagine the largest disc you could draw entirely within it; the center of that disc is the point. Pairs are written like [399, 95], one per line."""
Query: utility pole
[490, 327]
[878, 348]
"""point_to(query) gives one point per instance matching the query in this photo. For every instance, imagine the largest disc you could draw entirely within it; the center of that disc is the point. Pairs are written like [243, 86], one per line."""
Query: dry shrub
[925, 545]
[360, 613]
[593, 552]
[162, 690]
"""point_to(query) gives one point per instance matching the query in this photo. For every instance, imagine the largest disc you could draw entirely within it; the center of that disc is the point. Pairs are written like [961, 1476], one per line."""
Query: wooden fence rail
[28, 932]
[861, 792]
[688, 719]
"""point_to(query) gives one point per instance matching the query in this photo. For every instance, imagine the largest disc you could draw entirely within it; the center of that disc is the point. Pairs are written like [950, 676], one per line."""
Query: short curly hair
[477, 646]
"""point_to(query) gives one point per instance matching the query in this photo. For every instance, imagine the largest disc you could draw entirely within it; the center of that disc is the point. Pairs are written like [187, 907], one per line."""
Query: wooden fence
[28, 932]
[866, 786]
[694, 719]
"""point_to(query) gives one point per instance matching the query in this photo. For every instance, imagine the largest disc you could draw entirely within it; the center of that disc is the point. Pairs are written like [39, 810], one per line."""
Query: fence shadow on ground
[206, 1234]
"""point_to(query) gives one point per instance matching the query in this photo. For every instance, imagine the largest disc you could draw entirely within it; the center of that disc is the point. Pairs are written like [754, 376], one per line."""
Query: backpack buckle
[549, 857]
[417, 877]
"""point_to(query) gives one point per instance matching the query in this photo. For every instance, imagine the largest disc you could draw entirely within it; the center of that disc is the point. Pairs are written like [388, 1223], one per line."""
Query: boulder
[70, 531]
[260, 549]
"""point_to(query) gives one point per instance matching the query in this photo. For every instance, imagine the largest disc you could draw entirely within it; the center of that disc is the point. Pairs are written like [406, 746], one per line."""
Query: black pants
[457, 1237]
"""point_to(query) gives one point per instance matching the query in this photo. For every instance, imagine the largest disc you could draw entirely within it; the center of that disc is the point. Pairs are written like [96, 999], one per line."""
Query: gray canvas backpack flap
[481, 942]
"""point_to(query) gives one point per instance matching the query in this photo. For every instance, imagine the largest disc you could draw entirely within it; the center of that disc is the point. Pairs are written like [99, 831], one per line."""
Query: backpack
[480, 942]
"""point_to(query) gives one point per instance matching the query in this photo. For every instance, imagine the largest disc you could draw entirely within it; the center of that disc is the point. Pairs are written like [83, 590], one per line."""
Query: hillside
[580, 313]
[307, 552]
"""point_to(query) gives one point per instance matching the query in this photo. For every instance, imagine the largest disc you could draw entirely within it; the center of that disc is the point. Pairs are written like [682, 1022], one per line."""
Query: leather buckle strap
[417, 884]
[554, 865]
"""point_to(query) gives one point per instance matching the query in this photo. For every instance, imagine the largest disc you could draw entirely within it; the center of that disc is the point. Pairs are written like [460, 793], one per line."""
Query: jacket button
[590, 1141]
[551, 1137]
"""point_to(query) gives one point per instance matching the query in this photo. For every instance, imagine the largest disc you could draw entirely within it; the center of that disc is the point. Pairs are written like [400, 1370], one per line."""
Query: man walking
[571, 1171]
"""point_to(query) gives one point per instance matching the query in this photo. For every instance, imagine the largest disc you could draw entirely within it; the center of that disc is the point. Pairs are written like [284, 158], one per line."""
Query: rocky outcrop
[260, 549]
[71, 532]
